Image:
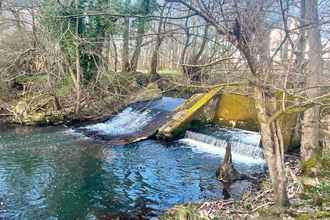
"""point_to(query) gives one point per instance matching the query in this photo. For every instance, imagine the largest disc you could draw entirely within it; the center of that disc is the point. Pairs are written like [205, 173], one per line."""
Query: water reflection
[56, 173]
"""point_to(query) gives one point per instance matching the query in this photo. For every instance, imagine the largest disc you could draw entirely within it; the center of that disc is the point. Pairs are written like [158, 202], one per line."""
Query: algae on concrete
[197, 111]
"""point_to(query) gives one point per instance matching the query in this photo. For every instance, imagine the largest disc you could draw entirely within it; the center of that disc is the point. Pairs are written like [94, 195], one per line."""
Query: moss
[325, 163]
[241, 110]
[189, 118]
[153, 134]
[249, 125]
[318, 201]
[316, 167]
[322, 214]
[182, 213]
[180, 131]
[236, 107]
[304, 196]
[308, 165]
[189, 214]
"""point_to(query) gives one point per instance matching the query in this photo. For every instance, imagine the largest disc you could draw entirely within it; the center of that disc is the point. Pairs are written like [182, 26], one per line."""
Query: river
[55, 172]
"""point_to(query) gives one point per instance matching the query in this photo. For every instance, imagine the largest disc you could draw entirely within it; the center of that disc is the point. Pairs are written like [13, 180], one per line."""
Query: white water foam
[70, 132]
[127, 122]
[241, 151]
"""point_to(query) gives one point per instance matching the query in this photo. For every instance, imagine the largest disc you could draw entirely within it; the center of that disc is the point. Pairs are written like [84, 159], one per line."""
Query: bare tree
[246, 25]
[310, 124]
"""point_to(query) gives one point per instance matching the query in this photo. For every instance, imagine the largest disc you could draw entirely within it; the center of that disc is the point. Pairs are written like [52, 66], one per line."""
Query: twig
[224, 204]
[267, 204]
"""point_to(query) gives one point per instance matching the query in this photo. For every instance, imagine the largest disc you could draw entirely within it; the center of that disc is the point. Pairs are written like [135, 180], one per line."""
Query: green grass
[169, 72]
[38, 78]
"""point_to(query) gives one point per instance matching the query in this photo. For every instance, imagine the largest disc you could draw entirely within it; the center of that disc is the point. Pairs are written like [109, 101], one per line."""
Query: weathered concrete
[198, 110]
[236, 109]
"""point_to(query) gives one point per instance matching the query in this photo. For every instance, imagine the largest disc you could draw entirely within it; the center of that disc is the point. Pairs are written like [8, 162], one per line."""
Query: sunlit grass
[168, 72]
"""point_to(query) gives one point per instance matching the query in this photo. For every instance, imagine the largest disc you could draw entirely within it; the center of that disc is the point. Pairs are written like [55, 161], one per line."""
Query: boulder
[147, 94]
[308, 183]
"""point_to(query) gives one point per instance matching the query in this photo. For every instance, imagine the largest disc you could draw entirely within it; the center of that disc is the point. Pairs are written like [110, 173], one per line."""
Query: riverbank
[309, 198]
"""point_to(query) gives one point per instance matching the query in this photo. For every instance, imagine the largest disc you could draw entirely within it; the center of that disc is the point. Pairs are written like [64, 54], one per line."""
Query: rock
[275, 209]
[308, 183]
[147, 95]
[142, 79]
[272, 212]
[304, 196]
[318, 201]
[315, 215]
[313, 172]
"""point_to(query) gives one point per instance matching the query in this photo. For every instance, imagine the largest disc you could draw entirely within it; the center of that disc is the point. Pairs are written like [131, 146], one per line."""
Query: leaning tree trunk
[310, 123]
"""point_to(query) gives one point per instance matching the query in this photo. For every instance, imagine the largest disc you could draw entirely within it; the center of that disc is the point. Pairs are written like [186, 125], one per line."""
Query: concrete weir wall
[232, 108]
[198, 110]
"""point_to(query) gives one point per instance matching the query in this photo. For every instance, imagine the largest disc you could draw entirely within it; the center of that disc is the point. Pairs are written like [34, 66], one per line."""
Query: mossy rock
[187, 211]
[304, 196]
[318, 201]
[275, 210]
[316, 167]
[272, 212]
[321, 214]
[238, 110]
[308, 165]
[142, 79]
[308, 183]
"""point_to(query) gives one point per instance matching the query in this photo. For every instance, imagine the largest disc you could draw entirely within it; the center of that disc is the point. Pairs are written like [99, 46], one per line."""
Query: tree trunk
[77, 65]
[227, 172]
[154, 59]
[195, 72]
[228, 158]
[52, 88]
[301, 47]
[272, 152]
[184, 54]
[139, 40]
[310, 123]
[154, 62]
[124, 58]
[116, 53]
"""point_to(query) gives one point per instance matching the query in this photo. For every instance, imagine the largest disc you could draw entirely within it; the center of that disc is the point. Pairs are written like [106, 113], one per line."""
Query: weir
[137, 122]
[244, 144]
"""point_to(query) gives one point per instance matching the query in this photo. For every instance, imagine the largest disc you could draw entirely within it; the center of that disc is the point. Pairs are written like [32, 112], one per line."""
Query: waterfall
[248, 148]
[135, 119]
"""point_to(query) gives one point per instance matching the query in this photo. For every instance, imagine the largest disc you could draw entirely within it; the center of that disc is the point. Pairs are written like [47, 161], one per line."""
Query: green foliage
[59, 18]
[189, 214]
[248, 205]
[217, 217]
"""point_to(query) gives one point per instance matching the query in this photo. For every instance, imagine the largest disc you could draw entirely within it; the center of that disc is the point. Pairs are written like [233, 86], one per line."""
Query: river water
[56, 172]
